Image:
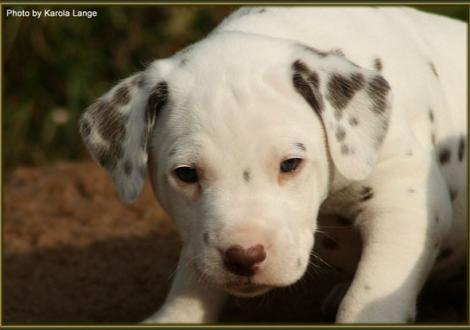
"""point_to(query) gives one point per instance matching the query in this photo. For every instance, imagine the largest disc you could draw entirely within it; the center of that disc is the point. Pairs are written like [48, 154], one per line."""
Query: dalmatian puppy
[282, 114]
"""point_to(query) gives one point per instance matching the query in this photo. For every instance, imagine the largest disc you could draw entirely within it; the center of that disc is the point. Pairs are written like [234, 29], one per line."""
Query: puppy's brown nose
[242, 261]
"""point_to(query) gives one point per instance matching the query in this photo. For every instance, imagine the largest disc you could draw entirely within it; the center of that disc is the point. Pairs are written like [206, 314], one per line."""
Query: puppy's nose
[243, 262]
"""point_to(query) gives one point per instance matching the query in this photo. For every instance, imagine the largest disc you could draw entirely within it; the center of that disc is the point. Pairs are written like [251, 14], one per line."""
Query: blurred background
[54, 67]
[72, 251]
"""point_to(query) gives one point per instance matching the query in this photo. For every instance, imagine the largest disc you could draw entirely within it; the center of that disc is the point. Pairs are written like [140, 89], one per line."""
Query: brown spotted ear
[353, 105]
[116, 128]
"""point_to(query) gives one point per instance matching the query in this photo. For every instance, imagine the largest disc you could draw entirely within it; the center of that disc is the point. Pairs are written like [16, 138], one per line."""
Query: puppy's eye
[186, 174]
[290, 165]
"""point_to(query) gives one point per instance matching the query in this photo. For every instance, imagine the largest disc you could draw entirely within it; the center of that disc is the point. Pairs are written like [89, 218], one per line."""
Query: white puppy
[281, 113]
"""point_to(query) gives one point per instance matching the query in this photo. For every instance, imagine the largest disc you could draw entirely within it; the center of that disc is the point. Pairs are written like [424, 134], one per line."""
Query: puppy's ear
[116, 129]
[353, 105]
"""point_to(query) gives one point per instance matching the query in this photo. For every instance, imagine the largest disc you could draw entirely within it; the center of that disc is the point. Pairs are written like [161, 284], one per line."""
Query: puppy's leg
[191, 299]
[405, 214]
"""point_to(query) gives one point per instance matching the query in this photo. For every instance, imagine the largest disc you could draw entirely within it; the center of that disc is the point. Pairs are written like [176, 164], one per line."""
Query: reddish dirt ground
[74, 253]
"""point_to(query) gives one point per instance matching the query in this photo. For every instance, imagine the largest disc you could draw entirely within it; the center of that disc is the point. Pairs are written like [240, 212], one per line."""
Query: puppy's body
[282, 114]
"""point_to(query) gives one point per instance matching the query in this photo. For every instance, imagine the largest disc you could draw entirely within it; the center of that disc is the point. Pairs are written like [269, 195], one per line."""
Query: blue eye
[290, 165]
[186, 174]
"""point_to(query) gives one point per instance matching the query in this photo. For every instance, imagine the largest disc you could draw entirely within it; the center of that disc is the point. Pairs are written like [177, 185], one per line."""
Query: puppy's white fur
[231, 111]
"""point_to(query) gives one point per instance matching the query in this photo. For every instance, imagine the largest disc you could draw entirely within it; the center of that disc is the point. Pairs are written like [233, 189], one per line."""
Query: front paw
[164, 315]
[381, 310]
[152, 320]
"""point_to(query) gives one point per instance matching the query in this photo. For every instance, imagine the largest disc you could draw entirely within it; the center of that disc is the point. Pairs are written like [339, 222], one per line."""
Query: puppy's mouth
[242, 287]
[247, 288]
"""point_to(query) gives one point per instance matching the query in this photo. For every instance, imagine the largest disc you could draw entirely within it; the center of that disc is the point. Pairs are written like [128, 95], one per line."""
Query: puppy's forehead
[227, 92]
[223, 78]
[243, 104]
[229, 56]
[224, 119]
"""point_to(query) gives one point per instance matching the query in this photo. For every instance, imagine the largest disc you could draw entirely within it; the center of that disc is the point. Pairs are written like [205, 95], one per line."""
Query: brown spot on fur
[353, 121]
[431, 115]
[378, 64]
[307, 87]
[380, 139]
[205, 238]
[444, 156]
[246, 175]
[121, 96]
[157, 100]
[110, 125]
[345, 149]
[337, 51]
[340, 134]
[106, 157]
[433, 69]
[300, 67]
[366, 194]
[341, 89]
[127, 167]
[377, 90]
[433, 138]
[301, 146]
[172, 152]
[312, 77]
[461, 149]
[452, 194]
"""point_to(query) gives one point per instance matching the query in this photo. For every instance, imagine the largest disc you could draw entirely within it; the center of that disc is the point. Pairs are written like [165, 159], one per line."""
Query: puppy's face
[241, 166]
[243, 134]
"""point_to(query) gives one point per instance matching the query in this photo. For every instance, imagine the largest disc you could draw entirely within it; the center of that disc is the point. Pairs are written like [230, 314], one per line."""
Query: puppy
[283, 113]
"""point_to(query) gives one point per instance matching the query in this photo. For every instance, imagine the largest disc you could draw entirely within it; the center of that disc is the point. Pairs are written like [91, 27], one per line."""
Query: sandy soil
[73, 253]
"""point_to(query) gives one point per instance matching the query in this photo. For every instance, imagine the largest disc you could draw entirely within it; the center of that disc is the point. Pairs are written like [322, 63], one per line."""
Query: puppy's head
[242, 136]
